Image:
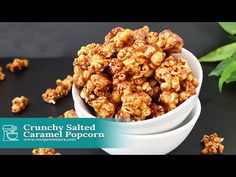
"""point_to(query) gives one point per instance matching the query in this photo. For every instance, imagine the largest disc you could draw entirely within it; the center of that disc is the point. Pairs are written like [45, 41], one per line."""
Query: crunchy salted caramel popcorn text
[45, 151]
[213, 144]
[18, 64]
[2, 75]
[63, 89]
[133, 75]
[19, 104]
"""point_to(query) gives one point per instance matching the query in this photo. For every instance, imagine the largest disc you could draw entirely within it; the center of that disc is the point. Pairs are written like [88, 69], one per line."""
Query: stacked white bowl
[158, 135]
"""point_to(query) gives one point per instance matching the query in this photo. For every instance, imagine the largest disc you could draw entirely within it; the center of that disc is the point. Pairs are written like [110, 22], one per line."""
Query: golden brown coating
[45, 151]
[176, 82]
[69, 114]
[19, 104]
[156, 110]
[152, 90]
[2, 75]
[171, 72]
[135, 107]
[18, 64]
[120, 38]
[97, 85]
[213, 144]
[91, 59]
[122, 88]
[103, 107]
[63, 89]
[170, 42]
[133, 70]
[170, 99]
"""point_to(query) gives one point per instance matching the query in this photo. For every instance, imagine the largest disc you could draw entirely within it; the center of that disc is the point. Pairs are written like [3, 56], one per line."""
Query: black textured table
[52, 46]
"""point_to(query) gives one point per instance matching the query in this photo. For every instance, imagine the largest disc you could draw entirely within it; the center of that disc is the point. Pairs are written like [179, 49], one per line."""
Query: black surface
[52, 58]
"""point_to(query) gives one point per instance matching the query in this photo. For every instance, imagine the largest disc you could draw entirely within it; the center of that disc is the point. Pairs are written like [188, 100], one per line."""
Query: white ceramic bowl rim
[199, 68]
[187, 125]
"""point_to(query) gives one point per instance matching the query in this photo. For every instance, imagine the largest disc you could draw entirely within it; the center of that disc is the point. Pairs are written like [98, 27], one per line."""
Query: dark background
[51, 48]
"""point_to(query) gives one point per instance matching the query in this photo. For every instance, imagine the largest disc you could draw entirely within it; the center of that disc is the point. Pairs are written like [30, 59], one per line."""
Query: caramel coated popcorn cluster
[69, 114]
[63, 88]
[132, 76]
[2, 75]
[19, 104]
[213, 144]
[45, 151]
[17, 65]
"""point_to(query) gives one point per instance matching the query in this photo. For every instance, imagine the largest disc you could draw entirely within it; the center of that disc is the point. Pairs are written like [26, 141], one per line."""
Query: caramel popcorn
[19, 104]
[176, 82]
[213, 144]
[91, 59]
[156, 110]
[135, 106]
[122, 88]
[2, 75]
[69, 114]
[132, 76]
[45, 151]
[103, 107]
[169, 41]
[63, 88]
[17, 65]
[97, 85]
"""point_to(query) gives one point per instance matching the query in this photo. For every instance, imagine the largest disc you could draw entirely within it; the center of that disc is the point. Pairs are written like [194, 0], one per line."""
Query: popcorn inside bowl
[132, 76]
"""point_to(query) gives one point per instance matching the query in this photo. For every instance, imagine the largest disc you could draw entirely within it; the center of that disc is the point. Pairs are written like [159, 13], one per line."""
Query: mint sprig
[226, 69]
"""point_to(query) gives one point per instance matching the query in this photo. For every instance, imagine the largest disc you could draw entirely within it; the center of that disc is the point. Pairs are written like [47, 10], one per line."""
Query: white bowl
[158, 144]
[159, 124]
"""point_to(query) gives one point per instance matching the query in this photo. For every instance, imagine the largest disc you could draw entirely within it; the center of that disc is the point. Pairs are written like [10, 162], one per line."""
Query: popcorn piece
[91, 59]
[176, 82]
[171, 72]
[135, 106]
[69, 114]
[120, 38]
[2, 75]
[115, 66]
[45, 151]
[213, 144]
[17, 65]
[63, 88]
[97, 85]
[103, 107]
[122, 88]
[170, 42]
[153, 91]
[169, 99]
[19, 104]
[110, 36]
[156, 110]
[124, 38]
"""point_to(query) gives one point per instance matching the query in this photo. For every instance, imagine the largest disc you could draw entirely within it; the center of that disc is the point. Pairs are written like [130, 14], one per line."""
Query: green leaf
[220, 54]
[232, 78]
[222, 65]
[232, 37]
[229, 27]
[228, 75]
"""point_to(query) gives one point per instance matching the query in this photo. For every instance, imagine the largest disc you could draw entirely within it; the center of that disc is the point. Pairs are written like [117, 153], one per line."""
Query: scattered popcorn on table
[132, 76]
[19, 104]
[63, 89]
[69, 114]
[2, 75]
[213, 144]
[17, 65]
[45, 151]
